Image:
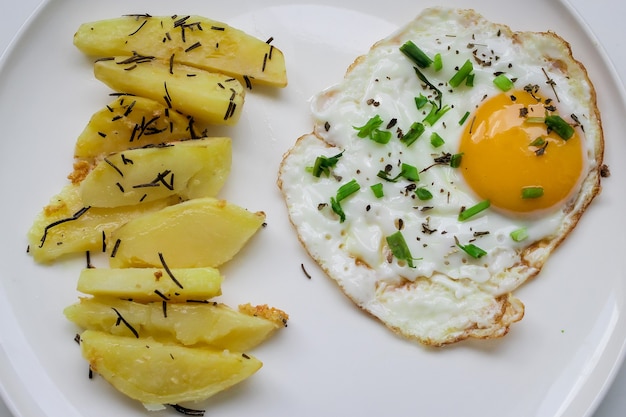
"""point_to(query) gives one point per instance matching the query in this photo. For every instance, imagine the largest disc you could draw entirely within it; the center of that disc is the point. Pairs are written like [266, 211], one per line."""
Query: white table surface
[605, 17]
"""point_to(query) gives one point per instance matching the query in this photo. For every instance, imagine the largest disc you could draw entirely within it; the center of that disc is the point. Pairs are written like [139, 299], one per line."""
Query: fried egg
[443, 170]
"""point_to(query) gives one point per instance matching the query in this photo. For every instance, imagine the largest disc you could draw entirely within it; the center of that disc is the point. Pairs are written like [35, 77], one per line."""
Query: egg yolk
[505, 151]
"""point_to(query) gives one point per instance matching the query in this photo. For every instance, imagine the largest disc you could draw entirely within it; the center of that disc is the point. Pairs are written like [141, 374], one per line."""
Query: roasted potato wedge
[189, 169]
[196, 233]
[191, 323]
[132, 122]
[208, 97]
[152, 284]
[192, 40]
[66, 225]
[158, 373]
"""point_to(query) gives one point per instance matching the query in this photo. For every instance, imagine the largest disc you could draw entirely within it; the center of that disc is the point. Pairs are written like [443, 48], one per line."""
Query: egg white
[445, 295]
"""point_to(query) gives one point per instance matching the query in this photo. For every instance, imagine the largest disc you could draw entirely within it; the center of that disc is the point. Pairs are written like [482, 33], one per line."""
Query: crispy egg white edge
[497, 308]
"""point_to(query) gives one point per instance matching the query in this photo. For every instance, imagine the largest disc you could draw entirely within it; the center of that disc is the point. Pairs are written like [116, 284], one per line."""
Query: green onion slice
[560, 126]
[464, 118]
[343, 192]
[538, 142]
[415, 131]
[347, 189]
[377, 189]
[436, 140]
[503, 82]
[471, 249]
[532, 192]
[421, 101]
[423, 79]
[399, 248]
[435, 113]
[415, 54]
[474, 210]
[455, 160]
[367, 129]
[437, 62]
[409, 172]
[323, 164]
[461, 74]
[519, 234]
[423, 194]
[469, 81]
[381, 136]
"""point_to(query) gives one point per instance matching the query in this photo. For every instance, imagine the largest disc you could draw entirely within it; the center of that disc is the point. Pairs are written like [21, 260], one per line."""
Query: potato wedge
[206, 96]
[189, 169]
[66, 226]
[152, 284]
[192, 40]
[157, 373]
[210, 324]
[133, 122]
[196, 233]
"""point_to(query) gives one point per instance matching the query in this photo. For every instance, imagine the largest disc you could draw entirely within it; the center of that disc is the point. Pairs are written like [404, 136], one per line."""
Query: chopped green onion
[334, 204]
[435, 113]
[437, 62]
[560, 126]
[347, 189]
[455, 160]
[399, 248]
[519, 234]
[471, 249]
[464, 118]
[344, 191]
[410, 172]
[407, 171]
[423, 194]
[474, 210]
[532, 192]
[415, 54]
[538, 142]
[420, 101]
[503, 82]
[415, 131]
[436, 140]
[423, 79]
[535, 119]
[324, 163]
[469, 81]
[377, 189]
[461, 74]
[367, 129]
[380, 136]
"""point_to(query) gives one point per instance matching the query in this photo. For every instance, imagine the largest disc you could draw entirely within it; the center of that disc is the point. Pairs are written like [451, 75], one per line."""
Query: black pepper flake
[327, 126]
[605, 172]
[306, 274]
[104, 135]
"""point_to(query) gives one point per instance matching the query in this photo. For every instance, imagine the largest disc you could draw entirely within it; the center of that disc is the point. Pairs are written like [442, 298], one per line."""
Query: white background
[606, 21]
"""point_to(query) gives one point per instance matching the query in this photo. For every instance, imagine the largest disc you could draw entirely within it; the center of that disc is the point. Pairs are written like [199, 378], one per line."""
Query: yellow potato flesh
[194, 41]
[65, 226]
[208, 97]
[189, 169]
[210, 324]
[196, 233]
[152, 284]
[133, 122]
[157, 373]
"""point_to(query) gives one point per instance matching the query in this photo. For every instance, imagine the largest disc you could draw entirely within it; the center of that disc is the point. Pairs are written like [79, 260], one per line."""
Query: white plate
[332, 360]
